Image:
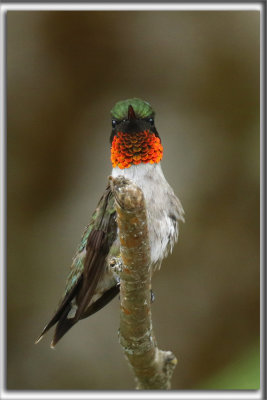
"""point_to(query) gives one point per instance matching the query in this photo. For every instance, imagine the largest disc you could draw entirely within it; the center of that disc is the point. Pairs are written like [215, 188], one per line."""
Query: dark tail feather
[102, 301]
[47, 327]
[65, 305]
[64, 323]
[51, 323]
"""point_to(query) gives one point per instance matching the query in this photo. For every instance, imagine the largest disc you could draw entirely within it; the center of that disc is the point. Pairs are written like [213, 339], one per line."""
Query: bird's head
[134, 138]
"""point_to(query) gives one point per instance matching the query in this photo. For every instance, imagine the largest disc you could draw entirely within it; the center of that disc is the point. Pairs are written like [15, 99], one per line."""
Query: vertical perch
[153, 368]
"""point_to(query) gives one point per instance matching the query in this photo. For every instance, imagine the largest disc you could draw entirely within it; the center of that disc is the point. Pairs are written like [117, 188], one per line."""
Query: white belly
[163, 207]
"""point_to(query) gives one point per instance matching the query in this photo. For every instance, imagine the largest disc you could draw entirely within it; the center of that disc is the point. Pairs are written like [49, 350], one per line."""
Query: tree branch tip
[128, 195]
[119, 182]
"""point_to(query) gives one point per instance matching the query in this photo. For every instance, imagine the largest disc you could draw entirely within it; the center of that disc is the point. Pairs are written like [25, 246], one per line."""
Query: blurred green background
[200, 71]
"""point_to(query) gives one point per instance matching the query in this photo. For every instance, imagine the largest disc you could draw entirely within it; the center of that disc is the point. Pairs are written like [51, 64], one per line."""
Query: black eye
[114, 123]
[151, 120]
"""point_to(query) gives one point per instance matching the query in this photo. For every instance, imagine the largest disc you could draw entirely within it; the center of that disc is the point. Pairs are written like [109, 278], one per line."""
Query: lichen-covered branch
[152, 367]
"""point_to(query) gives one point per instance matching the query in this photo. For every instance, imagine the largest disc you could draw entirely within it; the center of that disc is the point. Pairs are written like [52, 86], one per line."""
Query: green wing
[87, 268]
[100, 220]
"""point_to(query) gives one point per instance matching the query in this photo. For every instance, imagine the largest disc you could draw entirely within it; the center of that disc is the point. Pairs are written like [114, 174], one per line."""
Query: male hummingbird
[136, 152]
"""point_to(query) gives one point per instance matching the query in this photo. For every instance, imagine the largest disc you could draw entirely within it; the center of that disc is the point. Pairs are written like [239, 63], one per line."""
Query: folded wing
[87, 269]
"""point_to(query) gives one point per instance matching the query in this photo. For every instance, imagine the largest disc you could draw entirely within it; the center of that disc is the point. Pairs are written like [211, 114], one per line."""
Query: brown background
[200, 71]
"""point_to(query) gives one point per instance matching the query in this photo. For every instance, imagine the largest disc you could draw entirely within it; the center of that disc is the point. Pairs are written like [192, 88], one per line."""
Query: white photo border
[140, 6]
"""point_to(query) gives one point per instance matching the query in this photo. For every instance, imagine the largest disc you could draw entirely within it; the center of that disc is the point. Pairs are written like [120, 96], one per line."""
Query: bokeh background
[200, 71]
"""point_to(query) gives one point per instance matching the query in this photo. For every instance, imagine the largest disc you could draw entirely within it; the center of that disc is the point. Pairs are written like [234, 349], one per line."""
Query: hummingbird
[136, 154]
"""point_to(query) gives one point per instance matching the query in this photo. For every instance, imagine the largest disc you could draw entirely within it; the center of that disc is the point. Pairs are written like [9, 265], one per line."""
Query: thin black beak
[131, 114]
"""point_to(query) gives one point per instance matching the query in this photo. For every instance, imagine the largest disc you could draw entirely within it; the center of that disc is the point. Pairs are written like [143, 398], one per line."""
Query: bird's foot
[116, 266]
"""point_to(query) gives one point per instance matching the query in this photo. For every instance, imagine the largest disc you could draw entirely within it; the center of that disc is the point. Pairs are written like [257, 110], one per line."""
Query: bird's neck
[143, 175]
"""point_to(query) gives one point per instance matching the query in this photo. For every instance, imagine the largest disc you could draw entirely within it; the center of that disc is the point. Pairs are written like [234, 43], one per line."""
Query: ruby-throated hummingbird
[136, 152]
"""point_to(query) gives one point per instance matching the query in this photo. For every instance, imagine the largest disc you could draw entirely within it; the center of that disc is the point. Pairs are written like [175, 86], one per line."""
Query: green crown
[141, 108]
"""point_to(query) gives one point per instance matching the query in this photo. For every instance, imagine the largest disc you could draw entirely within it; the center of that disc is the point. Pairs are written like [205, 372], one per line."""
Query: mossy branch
[153, 368]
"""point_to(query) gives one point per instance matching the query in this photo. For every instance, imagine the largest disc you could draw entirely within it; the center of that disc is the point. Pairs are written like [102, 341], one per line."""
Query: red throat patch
[132, 149]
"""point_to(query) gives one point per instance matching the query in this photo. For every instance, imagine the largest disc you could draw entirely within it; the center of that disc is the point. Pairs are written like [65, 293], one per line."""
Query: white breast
[163, 207]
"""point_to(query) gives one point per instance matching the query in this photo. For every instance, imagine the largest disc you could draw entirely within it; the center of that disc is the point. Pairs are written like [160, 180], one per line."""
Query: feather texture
[89, 265]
